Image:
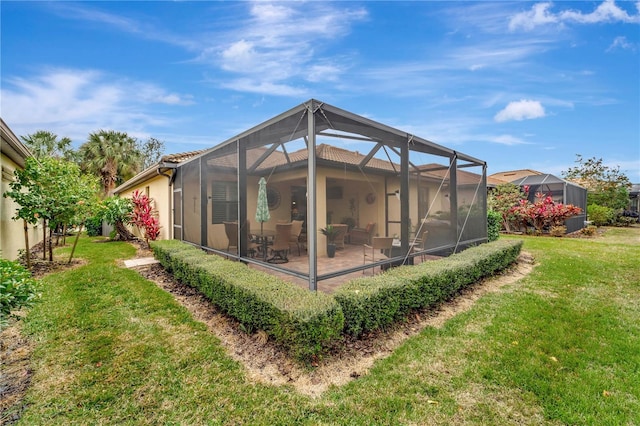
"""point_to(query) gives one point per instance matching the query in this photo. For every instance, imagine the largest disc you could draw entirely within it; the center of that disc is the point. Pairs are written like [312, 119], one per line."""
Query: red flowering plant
[543, 214]
[144, 217]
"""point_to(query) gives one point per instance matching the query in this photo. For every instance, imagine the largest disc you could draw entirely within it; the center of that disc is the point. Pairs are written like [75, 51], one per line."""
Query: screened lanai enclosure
[561, 191]
[323, 167]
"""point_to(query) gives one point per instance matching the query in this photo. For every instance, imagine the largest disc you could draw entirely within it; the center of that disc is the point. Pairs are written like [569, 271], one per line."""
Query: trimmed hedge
[304, 322]
[373, 303]
[307, 323]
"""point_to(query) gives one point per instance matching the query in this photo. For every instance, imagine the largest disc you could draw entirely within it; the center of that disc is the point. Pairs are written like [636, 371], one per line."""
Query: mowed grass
[560, 346]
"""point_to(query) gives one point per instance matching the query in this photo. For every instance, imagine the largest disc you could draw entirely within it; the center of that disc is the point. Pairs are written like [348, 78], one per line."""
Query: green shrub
[589, 230]
[374, 303]
[17, 289]
[94, 226]
[163, 251]
[494, 224]
[304, 322]
[624, 221]
[600, 215]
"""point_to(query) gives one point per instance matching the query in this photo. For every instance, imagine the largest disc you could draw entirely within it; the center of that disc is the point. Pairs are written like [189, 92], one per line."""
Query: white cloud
[538, 15]
[281, 42]
[143, 29]
[621, 43]
[520, 110]
[327, 72]
[607, 11]
[541, 14]
[263, 87]
[238, 56]
[506, 140]
[73, 103]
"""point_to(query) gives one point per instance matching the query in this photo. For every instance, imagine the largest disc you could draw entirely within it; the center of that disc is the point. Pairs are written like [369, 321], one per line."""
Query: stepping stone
[132, 263]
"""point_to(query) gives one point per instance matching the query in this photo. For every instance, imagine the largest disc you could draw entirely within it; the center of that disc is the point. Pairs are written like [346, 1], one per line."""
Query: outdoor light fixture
[398, 194]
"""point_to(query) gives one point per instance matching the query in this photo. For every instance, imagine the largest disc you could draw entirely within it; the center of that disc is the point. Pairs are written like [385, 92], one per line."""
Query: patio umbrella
[262, 211]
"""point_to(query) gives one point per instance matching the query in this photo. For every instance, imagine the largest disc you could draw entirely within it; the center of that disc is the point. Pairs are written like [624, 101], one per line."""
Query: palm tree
[43, 144]
[113, 156]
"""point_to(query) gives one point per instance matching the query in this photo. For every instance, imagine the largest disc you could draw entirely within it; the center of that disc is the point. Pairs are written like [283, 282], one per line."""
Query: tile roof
[439, 172]
[511, 175]
[180, 157]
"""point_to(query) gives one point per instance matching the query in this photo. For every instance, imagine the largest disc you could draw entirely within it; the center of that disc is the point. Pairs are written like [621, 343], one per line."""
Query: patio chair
[362, 235]
[296, 230]
[280, 247]
[421, 244]
[341, 232]
[252, 245]
[377, 249]
[231, 229]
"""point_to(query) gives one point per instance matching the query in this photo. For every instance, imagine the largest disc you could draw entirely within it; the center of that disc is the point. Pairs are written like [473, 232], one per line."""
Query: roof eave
[11, 145]
[157, 169]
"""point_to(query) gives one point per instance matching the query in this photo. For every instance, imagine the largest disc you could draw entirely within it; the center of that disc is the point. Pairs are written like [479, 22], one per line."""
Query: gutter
[172, 167]
[168, 167]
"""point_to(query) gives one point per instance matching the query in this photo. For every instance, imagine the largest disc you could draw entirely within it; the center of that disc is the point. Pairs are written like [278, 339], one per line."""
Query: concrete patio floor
[349, 257]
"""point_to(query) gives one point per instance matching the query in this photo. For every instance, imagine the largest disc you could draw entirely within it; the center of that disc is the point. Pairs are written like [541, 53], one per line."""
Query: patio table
[396, 250]
[264, 238]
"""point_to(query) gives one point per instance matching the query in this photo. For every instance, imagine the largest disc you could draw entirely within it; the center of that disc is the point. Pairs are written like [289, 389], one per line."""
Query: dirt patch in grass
[40, 268]
[15, 376]
[265, 362]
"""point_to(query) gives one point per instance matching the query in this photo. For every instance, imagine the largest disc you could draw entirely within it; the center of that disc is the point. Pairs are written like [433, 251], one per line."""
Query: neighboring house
[512, 175]
[322, 165]
[492, 182]
[561, 190]
[634, 200]
[12, 237]
[156, 182]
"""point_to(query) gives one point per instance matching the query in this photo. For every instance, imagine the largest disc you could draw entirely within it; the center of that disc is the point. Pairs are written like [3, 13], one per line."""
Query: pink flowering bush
[542, 215]
[144, 217]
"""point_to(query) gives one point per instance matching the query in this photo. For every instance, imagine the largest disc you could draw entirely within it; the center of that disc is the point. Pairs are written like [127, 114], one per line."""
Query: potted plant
[330, 232]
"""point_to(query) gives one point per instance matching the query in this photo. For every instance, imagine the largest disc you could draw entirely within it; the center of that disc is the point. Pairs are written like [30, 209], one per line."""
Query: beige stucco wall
[161, 195]
[216, 237]
[12, 231]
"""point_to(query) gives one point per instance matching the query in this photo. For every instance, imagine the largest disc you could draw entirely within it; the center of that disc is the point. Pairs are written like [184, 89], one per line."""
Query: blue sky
[519, 85]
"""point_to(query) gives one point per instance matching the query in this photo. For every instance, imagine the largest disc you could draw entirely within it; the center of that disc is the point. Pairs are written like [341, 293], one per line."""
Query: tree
[606, 186]
[151, 152]
[116, 212]
[50, 189]
[502, 199]
[44, 143]
[113, 156]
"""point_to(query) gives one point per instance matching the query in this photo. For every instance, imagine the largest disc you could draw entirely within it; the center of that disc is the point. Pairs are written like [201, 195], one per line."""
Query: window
[224, 202]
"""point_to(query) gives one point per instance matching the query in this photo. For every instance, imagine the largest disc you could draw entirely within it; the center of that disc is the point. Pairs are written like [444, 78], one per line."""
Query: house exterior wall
[161, 195]
[12, 231]
[353, 187]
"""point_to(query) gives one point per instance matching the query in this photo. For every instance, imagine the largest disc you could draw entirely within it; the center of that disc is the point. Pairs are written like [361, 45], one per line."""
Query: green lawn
[561, 346]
